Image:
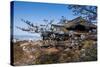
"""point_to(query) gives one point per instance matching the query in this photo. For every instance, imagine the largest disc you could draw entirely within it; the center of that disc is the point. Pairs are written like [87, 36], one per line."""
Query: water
[26, 37]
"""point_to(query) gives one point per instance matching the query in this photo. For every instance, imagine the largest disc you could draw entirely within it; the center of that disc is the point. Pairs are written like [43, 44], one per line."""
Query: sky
[37, 12]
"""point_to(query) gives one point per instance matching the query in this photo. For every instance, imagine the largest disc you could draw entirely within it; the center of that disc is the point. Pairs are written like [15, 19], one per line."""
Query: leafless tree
[88, 12]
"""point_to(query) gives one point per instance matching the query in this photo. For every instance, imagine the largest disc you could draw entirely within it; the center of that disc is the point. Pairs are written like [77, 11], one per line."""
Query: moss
[90, 53]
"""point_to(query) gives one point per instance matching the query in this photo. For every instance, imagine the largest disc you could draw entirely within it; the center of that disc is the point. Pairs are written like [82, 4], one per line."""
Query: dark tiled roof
[76, 21]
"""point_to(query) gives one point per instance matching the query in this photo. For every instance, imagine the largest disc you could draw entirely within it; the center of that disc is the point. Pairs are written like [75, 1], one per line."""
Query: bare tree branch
[88, 12]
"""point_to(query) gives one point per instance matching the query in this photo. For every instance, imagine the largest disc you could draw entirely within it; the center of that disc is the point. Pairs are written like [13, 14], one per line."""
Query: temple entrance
[80, 28]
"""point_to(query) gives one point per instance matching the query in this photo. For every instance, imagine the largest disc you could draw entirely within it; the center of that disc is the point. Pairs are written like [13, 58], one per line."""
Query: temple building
[78, 25]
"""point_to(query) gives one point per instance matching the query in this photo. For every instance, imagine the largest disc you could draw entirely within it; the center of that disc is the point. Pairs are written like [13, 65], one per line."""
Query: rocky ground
[47, 52]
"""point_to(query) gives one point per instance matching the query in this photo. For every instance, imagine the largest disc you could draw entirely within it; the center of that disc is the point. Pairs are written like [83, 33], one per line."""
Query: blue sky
[36, 12]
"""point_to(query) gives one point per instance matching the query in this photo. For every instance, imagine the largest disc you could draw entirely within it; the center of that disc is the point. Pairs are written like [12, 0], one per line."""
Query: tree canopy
[88, 12]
